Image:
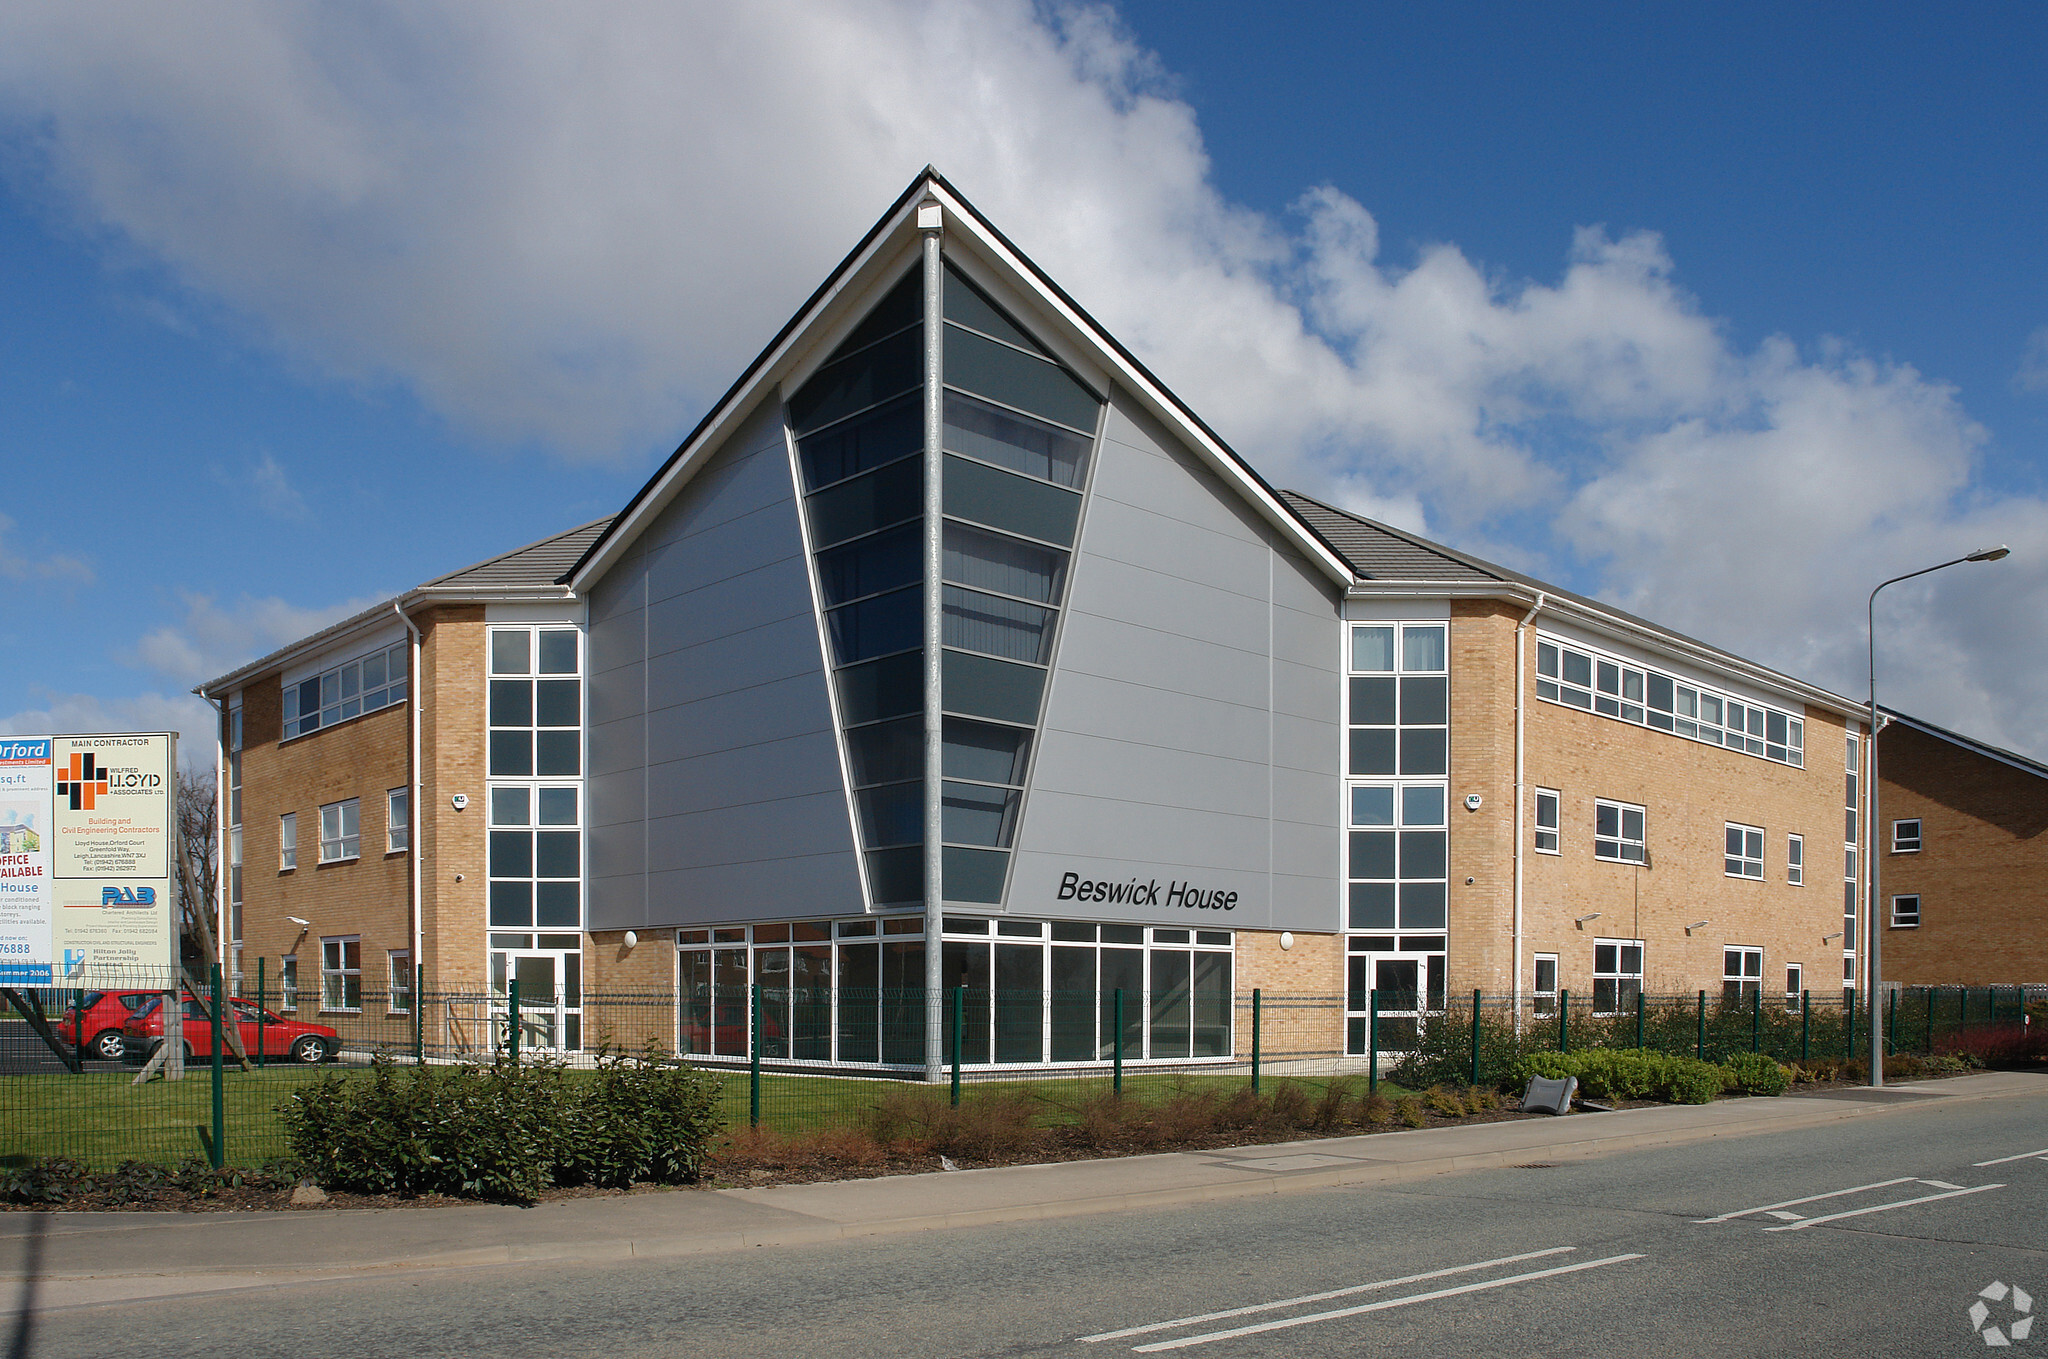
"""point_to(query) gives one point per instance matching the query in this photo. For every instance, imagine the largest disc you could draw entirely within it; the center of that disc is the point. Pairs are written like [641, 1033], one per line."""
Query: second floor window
[398, 821]
[1546, 821]
[288, 841]
[1906, 836]
[340, 830]
[1620, 832]
[1745, 856]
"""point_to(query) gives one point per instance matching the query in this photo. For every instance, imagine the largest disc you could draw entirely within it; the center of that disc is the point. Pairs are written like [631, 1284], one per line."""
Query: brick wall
[452, 761]
[1314, 967]
[1982, 874]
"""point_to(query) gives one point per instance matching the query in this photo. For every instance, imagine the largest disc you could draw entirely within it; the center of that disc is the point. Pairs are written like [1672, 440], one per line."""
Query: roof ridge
[502, 556]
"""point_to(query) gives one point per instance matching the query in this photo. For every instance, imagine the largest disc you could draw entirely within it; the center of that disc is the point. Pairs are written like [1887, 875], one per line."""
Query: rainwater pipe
[1521, 790]
[415, 811]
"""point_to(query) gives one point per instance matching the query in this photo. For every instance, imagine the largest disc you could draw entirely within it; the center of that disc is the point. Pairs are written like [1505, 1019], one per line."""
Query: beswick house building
[952, 649]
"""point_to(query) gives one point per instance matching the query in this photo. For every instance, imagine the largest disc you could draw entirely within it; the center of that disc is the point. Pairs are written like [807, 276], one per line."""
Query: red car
[143, 1034]
[99, 1035]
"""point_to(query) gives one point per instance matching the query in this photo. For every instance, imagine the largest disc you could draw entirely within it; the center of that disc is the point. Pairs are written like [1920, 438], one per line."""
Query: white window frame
[397, 821]
[1624, 1000]
[341, 834]
[398, 989]
[1795, 985]
[1621, 839]
[343, 696]
[1736, 859]
[1552, 831]
[335, 973]
[1545, 999]
[1621, 689]
[287, 842]
[288, 982]
[1795, 860]
[1903, 842]
[1742, 966]
[1904, 917]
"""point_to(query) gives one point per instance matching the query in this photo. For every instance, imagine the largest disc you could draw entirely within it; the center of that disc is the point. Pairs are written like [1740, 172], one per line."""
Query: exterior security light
[302, 924]
[1580, 921]
[632, 939]
[1830, 938]
[1697, 925]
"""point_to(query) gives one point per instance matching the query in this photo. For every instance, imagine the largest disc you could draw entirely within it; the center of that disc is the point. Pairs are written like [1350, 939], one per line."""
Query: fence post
[1564, 1016]
[754, 1061]
[261, 1011]
[1805, 1026]
[1116, 1079]
[1756, 1019]
[1891, 1023]
[959, 1031]
[1475, 1035]
[1372, 1042]
[1255, 1040]
[1639, 1020]
[1703, 1026]
[512, 1014]
[419, 1013]
[1930, 1020]
[1849, 1018]
[217, 1152]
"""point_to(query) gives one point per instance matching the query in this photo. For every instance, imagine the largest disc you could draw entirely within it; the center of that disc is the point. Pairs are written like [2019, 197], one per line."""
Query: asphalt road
[1871, 1238]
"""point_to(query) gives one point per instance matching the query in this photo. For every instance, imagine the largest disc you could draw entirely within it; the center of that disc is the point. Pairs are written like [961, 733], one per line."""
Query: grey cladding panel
[775, 592]
[745, 717]
[776, 650]
[1161, 602]
[690, 566]
[815, 886]
[1154, 659]
[1123, 713]
[792, 767]
[1214, 554]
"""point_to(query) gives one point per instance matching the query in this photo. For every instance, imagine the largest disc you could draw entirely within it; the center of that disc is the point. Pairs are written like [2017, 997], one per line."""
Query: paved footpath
[79, 1259]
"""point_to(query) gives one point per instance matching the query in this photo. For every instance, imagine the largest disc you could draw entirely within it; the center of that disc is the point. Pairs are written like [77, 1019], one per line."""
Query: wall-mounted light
[1697, 925]
[1830, 938]
[1580, 922]
[1286, 940]
[302, 924]
[632, 939]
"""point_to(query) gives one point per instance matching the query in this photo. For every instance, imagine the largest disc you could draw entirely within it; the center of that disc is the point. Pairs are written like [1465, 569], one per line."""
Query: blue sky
[1722, 314]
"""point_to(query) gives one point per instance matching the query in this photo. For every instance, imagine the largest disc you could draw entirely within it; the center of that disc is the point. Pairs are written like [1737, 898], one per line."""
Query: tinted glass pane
[975, 875]
[873, 500]
[1002, 627]
[1660, 692]
[884, 688]
[892, 814]
[883, 435]
[558, 753]
[512, 904]
[975, 814]
[1372, 751]
[1000, 500]
[1422, 905]
[877, 626]
[557, 807]
[1372, 806]
[1424, 752]
[1422, 648]
[1372, 649]
[556, 854]
[511, 854]
[558, 703]
[1422, 855]
[1423, 806]
[1425, 701]
[1014, 441]
[886, 752]
[1372, 905]
[1578, 668]
[894, 366]
[511, 807]
[988, 561]
[1372, 702]
[984, 687]
[975, 750]
[511, 703]
[558, 904]
[1000, 373]
[966, 305]
[1170, 1004]
[511, 753]
[511, 653]
[558, 652]
[895, 876]
[1372, 854]
[871, 565]
[902, 306]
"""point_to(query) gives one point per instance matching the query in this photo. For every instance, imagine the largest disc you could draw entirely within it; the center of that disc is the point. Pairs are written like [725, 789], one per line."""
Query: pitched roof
[1377, 551]
[1984, 748]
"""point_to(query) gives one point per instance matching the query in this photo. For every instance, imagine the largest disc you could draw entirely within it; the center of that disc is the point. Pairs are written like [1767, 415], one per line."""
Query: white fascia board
[1160, 404]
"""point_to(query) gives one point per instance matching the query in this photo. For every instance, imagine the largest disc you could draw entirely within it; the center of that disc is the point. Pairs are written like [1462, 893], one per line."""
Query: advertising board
[113, 815]
[25, 897]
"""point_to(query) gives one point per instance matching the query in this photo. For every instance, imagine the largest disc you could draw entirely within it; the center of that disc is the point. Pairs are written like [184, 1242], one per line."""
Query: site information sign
[25, 900]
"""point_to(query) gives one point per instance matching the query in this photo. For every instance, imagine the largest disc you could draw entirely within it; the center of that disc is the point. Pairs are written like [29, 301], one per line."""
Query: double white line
[1793, 1222]
[1381, 1306]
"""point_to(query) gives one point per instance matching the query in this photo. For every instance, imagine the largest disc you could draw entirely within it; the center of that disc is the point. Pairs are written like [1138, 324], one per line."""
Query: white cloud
[570, 226]
[58, 567]
[193, 719]
[211, 639]
[2032, 375]
[274, 490]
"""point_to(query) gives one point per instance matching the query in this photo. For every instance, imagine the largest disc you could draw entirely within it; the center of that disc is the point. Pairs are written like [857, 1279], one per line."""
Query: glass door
[550, 999]
[1408, 988]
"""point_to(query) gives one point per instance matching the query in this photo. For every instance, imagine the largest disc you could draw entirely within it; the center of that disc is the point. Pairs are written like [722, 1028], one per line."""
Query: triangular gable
[886, 246]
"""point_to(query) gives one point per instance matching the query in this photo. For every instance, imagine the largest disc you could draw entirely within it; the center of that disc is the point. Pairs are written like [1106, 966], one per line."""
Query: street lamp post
[1873, 928]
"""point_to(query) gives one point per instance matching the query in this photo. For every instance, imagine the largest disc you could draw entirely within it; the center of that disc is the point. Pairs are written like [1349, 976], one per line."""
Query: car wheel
[309, 1050]
[108, 1047]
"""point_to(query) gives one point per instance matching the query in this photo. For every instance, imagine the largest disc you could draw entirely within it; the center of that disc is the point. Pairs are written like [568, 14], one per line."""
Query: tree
[199, 829]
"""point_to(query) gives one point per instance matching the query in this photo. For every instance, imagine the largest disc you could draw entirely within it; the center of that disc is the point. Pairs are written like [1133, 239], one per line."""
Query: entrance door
[550, 1003]
[1408, 988]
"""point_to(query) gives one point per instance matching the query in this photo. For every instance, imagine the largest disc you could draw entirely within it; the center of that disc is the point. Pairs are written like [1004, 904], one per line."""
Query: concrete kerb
[848, 1210]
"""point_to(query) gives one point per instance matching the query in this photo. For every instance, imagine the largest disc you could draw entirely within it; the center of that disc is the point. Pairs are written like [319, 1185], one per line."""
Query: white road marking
[1323, 1297]
[1382, 1306]
[1881, 1208]
[2041, 1155]
[1940, 1184]
[1811, 1198]
[1783, 1216]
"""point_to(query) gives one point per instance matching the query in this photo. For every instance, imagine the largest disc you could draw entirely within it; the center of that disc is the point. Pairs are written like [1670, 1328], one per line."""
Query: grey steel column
[930, 220]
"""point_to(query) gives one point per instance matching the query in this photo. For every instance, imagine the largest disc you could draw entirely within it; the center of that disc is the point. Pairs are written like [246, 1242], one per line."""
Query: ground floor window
[1402, 979]
[1795, 986]
[1617, 974]
[398, 994]
[1546, 984]
[288, 983]
[1906, 913]
[341, 973]
[1742, 973]
[1028, 992]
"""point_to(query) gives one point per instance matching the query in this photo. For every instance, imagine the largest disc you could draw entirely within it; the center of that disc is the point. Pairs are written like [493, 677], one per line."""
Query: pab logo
[128, 896]
[82, 781]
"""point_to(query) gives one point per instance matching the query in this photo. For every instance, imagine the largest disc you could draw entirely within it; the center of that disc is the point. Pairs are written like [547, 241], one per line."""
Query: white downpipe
[1521, 782]
[415, 813]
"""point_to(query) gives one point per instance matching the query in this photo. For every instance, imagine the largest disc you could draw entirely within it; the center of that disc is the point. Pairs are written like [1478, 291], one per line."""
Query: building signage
[25, 899]
[1172, 894]
[86, 826]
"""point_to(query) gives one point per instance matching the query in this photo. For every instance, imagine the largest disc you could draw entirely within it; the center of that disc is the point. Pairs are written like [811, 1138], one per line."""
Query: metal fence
[166, 1089]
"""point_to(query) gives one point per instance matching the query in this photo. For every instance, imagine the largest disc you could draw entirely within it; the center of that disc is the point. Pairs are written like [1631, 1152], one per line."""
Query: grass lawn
[102, 1120]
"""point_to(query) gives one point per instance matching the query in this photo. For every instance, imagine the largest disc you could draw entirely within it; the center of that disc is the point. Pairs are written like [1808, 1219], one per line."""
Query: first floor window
[1795, 985]
[288, 983]
[400, 992]
[1546, 821]
[1745, 857]
[1617, 974]
[1906, 836]
[1795, 859]
[341, 974]
[1906, 912]
[398, 821]
[1742, 973]
[1546, 983]
[287, 841]
[1619, 832]
[340, 825]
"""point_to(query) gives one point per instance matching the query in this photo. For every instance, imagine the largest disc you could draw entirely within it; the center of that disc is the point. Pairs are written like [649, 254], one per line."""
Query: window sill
[1914, 850]
[1553, 853]
[287, 869]
[1905, 924]
[344, 859]
[396, 853]
[341, 1010]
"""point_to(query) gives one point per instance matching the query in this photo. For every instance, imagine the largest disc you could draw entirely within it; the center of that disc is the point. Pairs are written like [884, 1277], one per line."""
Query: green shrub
[1624, 1073]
